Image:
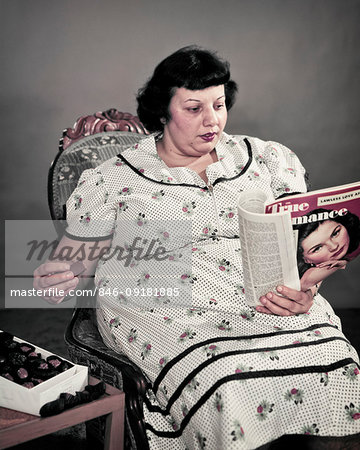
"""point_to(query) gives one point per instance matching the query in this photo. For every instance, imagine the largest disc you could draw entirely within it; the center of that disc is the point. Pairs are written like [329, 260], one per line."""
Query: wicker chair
[92, 140]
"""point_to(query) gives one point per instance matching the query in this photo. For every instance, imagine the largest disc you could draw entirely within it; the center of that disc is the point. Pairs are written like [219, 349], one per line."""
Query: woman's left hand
[288, 303]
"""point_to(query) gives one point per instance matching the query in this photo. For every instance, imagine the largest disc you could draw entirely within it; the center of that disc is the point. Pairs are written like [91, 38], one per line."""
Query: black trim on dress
[177, 358]
[88, 239]
[247, 375]
[218, 180]
[204, 364]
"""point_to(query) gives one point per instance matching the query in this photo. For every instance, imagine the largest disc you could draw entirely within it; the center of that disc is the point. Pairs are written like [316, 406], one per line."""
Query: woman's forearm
[314, 276]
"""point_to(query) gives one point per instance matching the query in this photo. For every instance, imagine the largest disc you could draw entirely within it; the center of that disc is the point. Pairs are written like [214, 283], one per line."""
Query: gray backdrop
[296, 63]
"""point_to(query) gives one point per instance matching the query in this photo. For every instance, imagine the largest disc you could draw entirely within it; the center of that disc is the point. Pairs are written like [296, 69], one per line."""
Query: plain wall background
[296, 62]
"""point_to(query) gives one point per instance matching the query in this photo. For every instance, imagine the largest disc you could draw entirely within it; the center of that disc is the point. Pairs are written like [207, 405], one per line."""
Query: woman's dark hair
[350, 221]
[190, 67]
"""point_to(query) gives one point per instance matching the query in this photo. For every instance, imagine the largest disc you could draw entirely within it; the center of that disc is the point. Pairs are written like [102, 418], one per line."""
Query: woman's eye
[219, 106]
[194, 109]
[316, 249]
[336, 232]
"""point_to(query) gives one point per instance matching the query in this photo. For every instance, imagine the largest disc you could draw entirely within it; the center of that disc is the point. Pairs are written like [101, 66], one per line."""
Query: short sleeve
[90, 216]
[287, 173]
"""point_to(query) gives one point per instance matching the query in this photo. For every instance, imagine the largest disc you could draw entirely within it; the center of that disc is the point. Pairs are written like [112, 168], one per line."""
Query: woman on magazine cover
[223, 375]
[325, 246]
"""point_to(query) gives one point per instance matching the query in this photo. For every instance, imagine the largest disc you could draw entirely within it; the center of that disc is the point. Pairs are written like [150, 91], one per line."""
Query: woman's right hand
[55, 280]
[332, 264]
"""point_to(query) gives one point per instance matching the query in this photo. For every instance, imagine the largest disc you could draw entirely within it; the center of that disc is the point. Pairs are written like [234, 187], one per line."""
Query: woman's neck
[196, 163]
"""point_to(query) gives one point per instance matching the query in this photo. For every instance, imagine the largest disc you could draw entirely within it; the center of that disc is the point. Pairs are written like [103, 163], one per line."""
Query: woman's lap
[351, 442]
[286, 381]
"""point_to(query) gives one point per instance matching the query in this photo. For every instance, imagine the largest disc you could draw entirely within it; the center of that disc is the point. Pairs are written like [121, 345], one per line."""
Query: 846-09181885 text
[140, 292]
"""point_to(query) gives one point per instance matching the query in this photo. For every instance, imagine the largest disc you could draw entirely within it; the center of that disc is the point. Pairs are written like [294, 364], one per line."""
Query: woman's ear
[163, 120]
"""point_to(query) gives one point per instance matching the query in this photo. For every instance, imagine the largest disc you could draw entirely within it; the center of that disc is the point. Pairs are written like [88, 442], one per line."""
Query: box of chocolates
[31, 376]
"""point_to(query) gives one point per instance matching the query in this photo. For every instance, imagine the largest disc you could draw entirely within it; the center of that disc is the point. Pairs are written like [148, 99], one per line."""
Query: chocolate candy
[77, 268]
[8, 376]
[17, 359]
[43, 370]
[6, 367]
[65, 366]
[12, 347]
[43, 365]
[26, 348]
[39, 366]
[33, 356]
[19, 362]
[22, 374]
[38, 363]
[54, 361]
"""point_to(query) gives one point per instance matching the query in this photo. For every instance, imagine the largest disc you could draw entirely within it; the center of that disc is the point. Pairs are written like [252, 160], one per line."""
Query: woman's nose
[210, 117]
[332, 245]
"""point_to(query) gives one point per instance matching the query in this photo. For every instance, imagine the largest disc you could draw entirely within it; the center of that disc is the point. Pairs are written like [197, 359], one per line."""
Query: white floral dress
[223, 376]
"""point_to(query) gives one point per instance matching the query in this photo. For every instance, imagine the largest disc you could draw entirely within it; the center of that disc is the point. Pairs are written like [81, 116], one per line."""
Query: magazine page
[267, 247]
[327, 230]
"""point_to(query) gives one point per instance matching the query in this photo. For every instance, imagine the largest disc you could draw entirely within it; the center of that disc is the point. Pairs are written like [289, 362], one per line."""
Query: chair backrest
[92, 140]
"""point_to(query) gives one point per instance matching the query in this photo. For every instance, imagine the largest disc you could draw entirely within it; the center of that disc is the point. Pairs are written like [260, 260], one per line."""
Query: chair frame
[134, 383]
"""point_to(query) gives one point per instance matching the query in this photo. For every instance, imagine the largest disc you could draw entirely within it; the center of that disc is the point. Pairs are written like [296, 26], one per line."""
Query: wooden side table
[17, 427]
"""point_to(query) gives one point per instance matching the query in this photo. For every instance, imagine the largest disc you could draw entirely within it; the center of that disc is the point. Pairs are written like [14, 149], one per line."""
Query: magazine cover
[327, 230]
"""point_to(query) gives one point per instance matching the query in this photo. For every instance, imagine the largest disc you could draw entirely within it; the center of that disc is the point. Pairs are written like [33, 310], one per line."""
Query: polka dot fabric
[222, 374]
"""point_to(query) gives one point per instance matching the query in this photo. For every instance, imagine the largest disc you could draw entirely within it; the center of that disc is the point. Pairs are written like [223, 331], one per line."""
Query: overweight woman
[223, 375]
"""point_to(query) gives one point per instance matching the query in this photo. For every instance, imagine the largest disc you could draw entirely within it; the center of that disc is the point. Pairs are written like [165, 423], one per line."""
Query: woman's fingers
[263, 309]
[322, 265]
[52, 273]
[276, 306]
[51, 268]
[57, 295]
[54, 280]
[289, 303]
[340, 263]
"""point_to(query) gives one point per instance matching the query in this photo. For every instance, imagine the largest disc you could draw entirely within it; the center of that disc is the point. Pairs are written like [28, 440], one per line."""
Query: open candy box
[31, 376]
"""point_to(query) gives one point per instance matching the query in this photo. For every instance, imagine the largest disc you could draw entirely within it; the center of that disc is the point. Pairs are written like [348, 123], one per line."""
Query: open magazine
[299, 240]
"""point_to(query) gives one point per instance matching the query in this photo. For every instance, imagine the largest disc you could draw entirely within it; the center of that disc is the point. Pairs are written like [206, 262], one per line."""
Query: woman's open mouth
[208, 137]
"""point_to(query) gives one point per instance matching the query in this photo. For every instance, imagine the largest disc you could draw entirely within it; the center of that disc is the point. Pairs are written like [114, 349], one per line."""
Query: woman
[223, 375]
[326, 246]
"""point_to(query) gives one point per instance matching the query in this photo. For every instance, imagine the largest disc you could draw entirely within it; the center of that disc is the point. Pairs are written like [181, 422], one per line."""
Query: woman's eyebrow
[195, 100]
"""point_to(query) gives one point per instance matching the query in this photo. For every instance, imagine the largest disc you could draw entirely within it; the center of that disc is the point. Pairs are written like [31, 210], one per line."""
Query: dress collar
[234, 156]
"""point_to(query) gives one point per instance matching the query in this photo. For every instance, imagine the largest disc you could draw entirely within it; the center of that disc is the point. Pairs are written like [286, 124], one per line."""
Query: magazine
[298, 240]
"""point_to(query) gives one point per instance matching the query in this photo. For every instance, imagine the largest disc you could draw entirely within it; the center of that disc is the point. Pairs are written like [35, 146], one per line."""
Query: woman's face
[329, 241]
[197, 119]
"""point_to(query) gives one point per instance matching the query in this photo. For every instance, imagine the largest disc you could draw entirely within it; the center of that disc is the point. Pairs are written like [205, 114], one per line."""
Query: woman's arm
[318, 273]
[57, 273]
